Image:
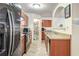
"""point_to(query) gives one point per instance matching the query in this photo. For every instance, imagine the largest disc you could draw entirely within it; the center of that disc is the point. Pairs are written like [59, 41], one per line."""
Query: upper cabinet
[46, 23]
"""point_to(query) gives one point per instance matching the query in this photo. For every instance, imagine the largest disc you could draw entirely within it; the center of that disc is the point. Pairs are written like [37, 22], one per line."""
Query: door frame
[40, 26]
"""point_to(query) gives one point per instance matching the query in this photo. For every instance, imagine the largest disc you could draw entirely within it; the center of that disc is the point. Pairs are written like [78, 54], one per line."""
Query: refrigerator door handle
[9, 53]
[13, 34]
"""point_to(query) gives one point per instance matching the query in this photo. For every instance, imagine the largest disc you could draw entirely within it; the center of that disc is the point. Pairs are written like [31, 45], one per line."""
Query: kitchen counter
[56, 35]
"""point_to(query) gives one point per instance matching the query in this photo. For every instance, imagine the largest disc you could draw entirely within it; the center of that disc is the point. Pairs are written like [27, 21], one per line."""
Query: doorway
[37, 29]
[37, 47]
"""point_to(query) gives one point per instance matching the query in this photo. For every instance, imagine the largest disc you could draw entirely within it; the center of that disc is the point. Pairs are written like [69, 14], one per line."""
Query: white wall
[47, 18]
[31, 17]
[60, 19]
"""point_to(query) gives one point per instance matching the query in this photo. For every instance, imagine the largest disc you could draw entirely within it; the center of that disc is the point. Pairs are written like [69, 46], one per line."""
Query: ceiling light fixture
[35, 20]
[36, 5]
[18, 5]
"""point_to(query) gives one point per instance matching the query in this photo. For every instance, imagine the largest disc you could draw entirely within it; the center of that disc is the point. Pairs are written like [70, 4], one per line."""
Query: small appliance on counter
[42, 29]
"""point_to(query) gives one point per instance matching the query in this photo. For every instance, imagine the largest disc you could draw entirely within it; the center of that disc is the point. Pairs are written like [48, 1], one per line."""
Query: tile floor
[37, 48]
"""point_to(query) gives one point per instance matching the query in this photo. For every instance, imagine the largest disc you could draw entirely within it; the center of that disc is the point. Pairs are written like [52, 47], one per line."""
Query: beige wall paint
[75, 41]
[75, 30]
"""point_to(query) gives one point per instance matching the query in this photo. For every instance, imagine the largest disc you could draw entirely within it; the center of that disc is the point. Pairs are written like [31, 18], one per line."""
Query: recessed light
[36, 5]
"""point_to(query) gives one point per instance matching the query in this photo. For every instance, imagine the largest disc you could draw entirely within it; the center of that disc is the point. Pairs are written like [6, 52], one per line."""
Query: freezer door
[10, 37]
[2, 39]
[14, 28]
[4, 32]
[16, 33]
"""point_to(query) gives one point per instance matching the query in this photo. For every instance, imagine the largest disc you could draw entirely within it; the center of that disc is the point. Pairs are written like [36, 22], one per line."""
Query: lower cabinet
[23, 44]
[59, 47]
[43, 36]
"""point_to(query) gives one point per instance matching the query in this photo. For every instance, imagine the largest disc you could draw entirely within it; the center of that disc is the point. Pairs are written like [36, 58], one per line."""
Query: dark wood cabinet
[43, 36]
[59, 47]
[23, 44]
[46, 23]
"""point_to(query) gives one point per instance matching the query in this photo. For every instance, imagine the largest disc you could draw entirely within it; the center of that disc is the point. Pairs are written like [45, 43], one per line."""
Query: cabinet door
[23, 43]
[43, 36]
[60, 48]
[46, 23]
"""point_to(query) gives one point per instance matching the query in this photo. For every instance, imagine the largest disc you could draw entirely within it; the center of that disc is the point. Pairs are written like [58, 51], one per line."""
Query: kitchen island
[57, 44]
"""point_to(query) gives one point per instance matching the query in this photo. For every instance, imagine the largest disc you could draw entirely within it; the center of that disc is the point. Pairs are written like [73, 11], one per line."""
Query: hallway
[37, 48]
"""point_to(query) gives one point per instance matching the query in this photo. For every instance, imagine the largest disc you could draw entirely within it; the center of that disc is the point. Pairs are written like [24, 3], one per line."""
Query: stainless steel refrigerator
[9, 29]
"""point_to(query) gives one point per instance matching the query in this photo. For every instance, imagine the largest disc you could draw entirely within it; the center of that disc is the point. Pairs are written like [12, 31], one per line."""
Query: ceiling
[45, 10]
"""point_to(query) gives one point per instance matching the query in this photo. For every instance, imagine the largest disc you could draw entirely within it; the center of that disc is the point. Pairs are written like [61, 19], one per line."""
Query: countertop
[56, 35]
